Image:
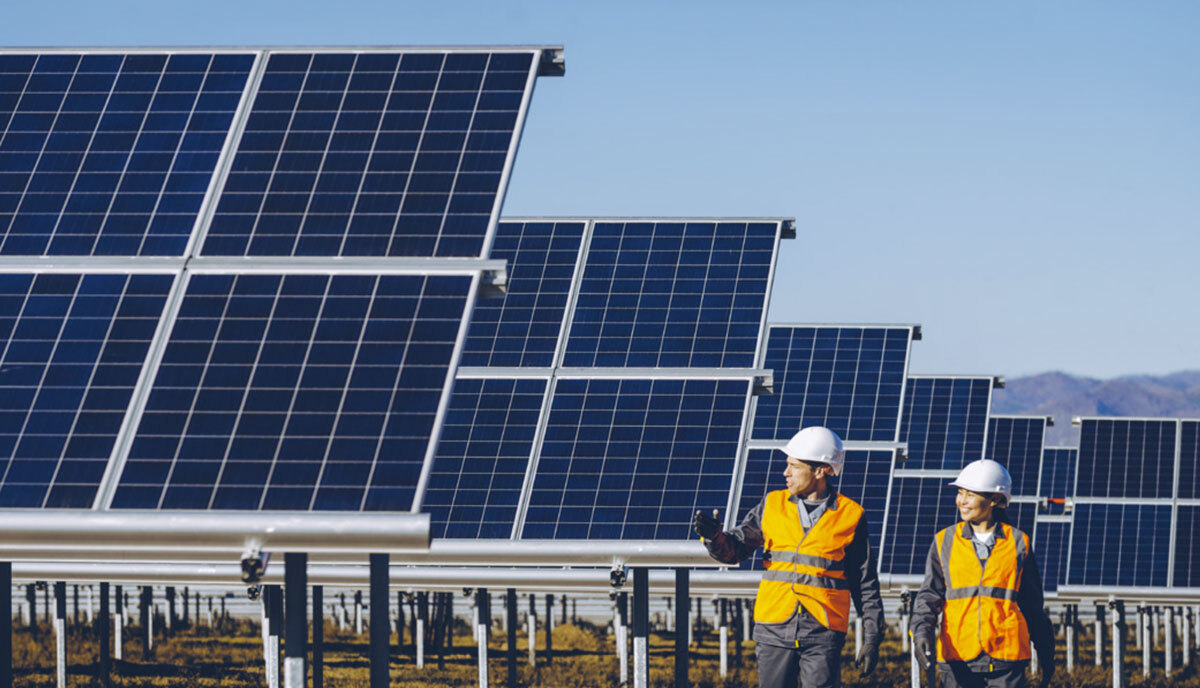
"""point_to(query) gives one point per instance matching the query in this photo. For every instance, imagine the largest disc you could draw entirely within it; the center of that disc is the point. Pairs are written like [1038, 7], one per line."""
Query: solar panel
[388, 153]
[523, 327]
[1016, 442]
[673, 294]
[1189, 459]
[108, 153]
[298, 392]
[865, 477]
[1050, 544]
[1123, 457]
[71, 349]
[1120, 544]
[848, 379]
[486, 443]
[1187, 546]
[918, 509]
[635, 458]
[1058, 472]
[945, 421]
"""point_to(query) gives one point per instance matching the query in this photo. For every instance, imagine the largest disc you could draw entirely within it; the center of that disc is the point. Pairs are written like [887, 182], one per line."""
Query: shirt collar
[830, 502]
[997, 532]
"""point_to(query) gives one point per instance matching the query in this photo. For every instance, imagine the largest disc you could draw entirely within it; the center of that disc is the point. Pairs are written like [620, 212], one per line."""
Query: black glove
[706, 526]
[867, 658]
[1046, 666]
[924, 652]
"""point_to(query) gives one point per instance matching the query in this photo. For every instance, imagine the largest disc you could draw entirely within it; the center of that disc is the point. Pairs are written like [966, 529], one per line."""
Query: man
[817, 555]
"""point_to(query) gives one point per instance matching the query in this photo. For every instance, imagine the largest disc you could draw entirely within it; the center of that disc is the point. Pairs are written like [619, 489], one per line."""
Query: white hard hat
[817, 444]
[985, 475]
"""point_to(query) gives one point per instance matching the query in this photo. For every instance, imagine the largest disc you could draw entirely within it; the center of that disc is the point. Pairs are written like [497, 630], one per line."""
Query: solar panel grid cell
[522, 328]
[109, 154]
[635, 458]
[1126, 458]
[848, 379]
[296, 392]
[1120, 544]
[372, 154]
[1050, 546]
[482, 457]
[919, 508]
[672, 294]
[945, 421]
[1187, 546]
[71, 349]
[1017, 444]
[1189, 459]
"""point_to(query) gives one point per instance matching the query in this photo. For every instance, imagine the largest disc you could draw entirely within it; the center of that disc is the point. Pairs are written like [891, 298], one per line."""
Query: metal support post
[187, 598]
[146, 617]
[510, 627]
[641, 627]
[274, 597]
[914, 667]
[564, 610]
[739, 631]
[400, 621]
[1118, 642]
[75, 602]
[60, 632]
[6, 631]
[1185, 617]
[31, 598]
[724, 633]
[318, 636]
[358, 615]
[422, 621]
[89, 609]
[1168, 640]
[1099, 638]
[621, 623]
[103, 665]
[1071, 622]
[1140, 636]
[1145, 619]
[531, 629]
[549, 629]
[119, 626]
[857, 635]
[295, 577]
[170, 626]
[692, 626]
[481, 600]
[683, 598]
[380, 630]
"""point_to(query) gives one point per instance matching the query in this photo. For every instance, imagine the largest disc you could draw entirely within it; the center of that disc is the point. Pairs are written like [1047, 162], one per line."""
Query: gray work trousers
[959, 675]
[816, 662]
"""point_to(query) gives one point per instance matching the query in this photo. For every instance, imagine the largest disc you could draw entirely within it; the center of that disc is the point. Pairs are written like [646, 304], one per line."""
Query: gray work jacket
[737, 545]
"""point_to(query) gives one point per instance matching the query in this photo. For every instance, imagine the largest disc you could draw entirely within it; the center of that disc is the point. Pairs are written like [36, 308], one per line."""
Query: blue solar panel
[672, 294]
[1050, 544]
[1189, 459]
[110, 154]
[296, 392]
[635, 458]
[523, 327]
[848, 379]
[1122, 457]
[864, 479]
[71, 349]
[945, 421]
[1022, 515]
[1058, 476]
[373, 154]
[1120, 544]
[1016, 442]
[920, 507]
[482, 457]
[1187, 546]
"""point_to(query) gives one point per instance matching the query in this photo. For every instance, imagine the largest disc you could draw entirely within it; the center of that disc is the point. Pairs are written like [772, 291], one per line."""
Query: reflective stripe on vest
[981, 613]
[806, 568]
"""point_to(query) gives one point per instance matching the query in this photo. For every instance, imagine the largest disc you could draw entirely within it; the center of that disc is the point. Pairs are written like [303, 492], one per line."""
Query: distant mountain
[1064, 396]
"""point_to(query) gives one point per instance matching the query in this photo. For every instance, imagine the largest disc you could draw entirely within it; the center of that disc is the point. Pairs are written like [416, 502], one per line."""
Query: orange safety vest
[981, 612]
[806, 568]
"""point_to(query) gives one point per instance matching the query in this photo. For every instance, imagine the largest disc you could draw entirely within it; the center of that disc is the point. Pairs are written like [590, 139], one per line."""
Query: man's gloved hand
[706, 526]
[924, 651]
[867, 658]
[1046, 666]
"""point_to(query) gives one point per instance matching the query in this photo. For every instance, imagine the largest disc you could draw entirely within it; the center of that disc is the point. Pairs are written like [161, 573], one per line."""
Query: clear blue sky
[1021, 178]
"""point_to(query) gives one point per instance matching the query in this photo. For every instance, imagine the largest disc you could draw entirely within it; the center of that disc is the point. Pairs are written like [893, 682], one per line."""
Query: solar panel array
[206, 381]
[945, 421]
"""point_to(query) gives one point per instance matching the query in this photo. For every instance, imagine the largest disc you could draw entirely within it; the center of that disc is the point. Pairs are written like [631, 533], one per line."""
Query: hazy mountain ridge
[1063, 396]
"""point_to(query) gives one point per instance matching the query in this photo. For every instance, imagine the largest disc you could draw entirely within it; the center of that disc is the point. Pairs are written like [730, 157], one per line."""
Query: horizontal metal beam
[1086, 592]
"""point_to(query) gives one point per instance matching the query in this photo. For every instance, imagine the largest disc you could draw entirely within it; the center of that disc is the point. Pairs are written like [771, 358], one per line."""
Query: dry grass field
[584, 657]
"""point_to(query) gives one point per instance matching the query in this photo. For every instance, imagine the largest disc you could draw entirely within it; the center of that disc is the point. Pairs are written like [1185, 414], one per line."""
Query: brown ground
[584, 657]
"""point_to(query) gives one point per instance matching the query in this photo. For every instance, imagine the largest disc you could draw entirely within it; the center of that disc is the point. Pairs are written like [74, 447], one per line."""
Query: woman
[982, 577]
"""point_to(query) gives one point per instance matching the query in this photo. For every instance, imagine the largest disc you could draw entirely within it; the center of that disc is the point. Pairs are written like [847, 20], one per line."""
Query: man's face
[802, 476]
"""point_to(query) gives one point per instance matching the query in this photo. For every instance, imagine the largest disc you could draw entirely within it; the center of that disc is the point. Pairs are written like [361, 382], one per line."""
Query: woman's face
[975, 507]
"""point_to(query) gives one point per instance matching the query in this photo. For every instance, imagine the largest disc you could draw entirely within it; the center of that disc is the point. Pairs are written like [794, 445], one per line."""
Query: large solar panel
[1124, 457]
[1050, 543]
[483, 456]
[945, 421]
[1187, 546]
[1124, 544]
[71, 349]
[1058, 472]
[1189, 459]
[110, 153]
[849, 379]
[918, 509]
[635, 458]
[297, 392]
[523, 327]
[673, 294]
[374, 153]
[1016, 442]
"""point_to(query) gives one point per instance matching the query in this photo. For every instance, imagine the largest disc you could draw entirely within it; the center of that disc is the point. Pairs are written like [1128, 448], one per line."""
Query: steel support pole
[170, 626]
[6, 631]
[481, 636]
[400, 620]
[563, 599]
[60, 633]
[318, 636]
[621, 623]
[724, 633]
[549, 629]
[187, 599]
[422, 622]
[739, 631]
[1169, 640]
[1072, 633]
[683, 597]
[1185, 617]
[641, 627]
[274, 630]
[531, 629]
[75, 602]
[103, 667]
[1146, 621]
[358, 615]
[380, 629]
[1118, 643]
[510, 628]
[1099, 637]
[295, 577]
[914, 667]
[146, 618]
[1140, 636]
[31, 598]
[858, 632]
[119, 626]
